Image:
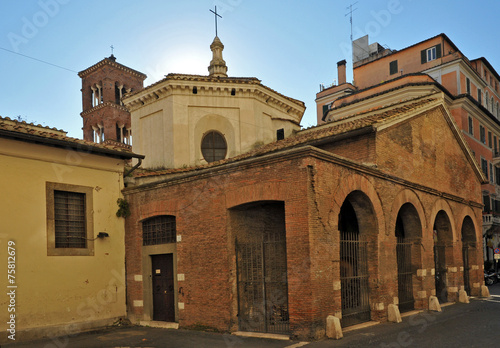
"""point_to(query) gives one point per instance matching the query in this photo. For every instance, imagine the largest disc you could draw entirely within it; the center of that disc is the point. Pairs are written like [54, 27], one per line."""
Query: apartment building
[470, 88]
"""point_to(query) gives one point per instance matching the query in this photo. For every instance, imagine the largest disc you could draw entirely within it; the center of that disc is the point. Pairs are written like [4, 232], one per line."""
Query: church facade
[273, 229]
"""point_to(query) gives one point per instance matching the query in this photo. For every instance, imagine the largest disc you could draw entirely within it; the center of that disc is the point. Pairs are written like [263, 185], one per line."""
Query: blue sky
[291, 45]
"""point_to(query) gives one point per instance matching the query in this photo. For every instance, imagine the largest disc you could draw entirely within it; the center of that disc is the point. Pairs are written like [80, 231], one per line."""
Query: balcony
[490, 219]
[496, 158]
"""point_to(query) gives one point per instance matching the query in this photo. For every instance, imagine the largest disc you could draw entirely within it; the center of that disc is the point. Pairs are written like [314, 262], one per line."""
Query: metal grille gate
[465, 255]
[405, 275]
[354, 279]
[262, 285]
[440, 273]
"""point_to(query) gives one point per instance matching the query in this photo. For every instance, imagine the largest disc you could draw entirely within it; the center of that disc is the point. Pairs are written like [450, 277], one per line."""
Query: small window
[491, 172]
[482, 134]
[213, 147]
[479, 96]
[497, 175]
[233, 91]
[69, 220]
[495, 145]
[467, 82]
[487, 100]
[280, 134]
[489, 140]
[471, 126]
[159, 230]
[195, 90]
[430, 54]
[393, 67]
[484, 167]
[487, 204]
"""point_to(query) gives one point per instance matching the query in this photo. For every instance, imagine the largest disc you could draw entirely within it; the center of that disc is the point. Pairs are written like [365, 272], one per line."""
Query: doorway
[163, 287]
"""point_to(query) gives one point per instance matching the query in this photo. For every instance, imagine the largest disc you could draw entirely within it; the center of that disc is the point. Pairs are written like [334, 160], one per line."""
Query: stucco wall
[59, 294]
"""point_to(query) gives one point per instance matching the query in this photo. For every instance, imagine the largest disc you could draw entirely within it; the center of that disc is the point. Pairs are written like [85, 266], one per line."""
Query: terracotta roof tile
[40, 133]
[347, 124]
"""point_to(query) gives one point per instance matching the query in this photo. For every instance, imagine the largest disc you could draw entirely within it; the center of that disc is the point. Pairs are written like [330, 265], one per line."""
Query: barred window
[69, 212]
[159, 230]
[70, 223]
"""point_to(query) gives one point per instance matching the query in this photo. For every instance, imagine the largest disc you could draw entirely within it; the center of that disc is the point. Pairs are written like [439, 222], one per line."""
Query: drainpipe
[133, 168]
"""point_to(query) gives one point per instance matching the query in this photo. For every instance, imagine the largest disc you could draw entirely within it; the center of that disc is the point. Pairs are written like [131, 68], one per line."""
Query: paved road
[460, 325]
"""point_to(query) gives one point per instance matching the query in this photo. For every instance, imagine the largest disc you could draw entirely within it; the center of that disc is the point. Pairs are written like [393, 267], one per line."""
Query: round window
[213, 146]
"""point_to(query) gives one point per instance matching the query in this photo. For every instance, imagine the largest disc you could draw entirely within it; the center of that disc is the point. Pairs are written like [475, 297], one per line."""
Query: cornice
[289, 154]
[208, 86]
[102, 106]
[107, 61]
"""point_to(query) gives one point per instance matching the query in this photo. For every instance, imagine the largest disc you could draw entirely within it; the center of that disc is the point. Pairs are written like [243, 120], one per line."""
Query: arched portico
[443, 253]
[469, 244]
[408, 233]
[358, 233]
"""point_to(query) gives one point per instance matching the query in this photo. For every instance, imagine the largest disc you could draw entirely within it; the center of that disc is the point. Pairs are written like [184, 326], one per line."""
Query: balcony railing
[491, 218]
[496, 157]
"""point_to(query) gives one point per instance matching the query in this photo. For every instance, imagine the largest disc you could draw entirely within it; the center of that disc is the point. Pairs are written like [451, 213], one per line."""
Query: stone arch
[406, 196]
[360, 184]
[266, 191]
[358, 255]
[408, 220]
[469, 240]
[443, 235]
[467, 212]
[258, 231]
[444, 206]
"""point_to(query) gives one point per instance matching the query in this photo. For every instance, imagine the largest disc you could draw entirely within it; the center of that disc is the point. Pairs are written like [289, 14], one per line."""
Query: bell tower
[105, 119]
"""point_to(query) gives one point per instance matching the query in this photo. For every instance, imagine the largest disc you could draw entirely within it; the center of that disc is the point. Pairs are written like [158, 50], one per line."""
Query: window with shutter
[393, 67]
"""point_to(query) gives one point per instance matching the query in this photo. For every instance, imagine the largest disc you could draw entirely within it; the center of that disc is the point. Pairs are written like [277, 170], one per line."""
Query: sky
[292, 46]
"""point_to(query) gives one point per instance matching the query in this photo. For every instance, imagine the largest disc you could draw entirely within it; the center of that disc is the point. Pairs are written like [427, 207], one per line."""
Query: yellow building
[61, 241]
[186, 120]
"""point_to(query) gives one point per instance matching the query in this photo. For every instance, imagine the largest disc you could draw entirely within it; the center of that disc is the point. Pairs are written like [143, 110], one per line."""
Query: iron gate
[354, 279]
[465, 255]
[405, 275]
[262, 285]
[440, 273]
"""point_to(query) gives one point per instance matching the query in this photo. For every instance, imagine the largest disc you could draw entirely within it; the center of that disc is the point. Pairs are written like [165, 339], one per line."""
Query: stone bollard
[434, 304]
[393, 313]
[333, 328]
[484, 291]
[462, 296]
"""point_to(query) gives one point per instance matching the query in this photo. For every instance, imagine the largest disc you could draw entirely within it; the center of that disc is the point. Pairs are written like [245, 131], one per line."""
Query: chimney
[341, 68]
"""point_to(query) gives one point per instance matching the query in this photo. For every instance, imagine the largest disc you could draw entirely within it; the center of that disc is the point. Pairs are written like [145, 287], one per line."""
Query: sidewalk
[458, 325]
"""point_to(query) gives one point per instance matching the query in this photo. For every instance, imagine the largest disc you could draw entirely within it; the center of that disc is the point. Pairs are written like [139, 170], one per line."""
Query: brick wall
[313, 187]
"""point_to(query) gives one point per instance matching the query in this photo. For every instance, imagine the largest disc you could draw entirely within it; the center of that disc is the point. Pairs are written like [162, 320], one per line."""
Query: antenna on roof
[112, 49]
[350, 13]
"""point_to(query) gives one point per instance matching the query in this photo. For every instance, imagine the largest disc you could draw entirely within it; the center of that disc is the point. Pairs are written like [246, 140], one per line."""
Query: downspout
[133, 168]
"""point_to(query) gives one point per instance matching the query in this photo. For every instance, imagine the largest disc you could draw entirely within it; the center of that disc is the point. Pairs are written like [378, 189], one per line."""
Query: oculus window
[213, 146]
